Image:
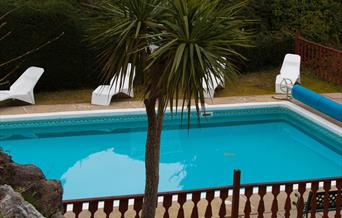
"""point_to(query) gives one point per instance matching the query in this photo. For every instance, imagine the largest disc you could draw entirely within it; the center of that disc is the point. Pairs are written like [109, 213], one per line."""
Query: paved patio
[6, 108]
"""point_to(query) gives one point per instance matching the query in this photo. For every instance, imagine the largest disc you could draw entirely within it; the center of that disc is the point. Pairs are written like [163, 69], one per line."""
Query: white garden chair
[213, 83]
[289, 74]
[103, 94]
[22, 88]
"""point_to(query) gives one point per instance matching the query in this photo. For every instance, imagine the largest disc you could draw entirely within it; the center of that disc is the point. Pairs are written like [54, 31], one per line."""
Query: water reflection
[93, 165]
[107, 173]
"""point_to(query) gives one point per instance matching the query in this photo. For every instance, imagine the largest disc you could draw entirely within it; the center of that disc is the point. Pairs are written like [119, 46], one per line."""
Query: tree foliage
[194, 38]
[177, 45]
[319, 20]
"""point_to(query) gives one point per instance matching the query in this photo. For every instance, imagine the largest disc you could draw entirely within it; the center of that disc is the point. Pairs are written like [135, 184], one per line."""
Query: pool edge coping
[125, 111]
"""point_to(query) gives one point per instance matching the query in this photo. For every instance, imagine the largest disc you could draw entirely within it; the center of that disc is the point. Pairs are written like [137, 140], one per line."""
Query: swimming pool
[98, 154]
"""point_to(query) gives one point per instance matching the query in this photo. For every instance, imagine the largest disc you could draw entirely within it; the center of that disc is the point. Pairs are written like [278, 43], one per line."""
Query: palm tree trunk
[152, 155]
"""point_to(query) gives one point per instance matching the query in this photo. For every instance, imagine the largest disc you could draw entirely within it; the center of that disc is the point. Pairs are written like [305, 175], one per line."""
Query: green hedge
[276, 23]
[68, 62]
[268, 51]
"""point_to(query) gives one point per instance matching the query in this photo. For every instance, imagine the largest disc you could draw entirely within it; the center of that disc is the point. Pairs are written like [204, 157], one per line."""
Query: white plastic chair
[213, 83]
[103, 94]
[22, 88]
[289, 73]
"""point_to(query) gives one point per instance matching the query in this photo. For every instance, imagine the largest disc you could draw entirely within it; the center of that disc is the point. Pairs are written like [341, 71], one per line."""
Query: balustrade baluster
[313, 203]
[77, 208]
[93, 206]
[320, 62]
[123, 206]
[138, 201]
[108, 207]
[302, 53]
[300, 203]
[332, 67]
[167, 202]
[65, 206]
[248, 193]
[308, 59]
[223, 197]
[339, 75]
[261, 206]
[181, 201]
[209, 197]
[274, 208]
[316, 61]
[312, 49]
[326, 64]
[326, 187]
[288, 190]
[338, 198]
[195, 198]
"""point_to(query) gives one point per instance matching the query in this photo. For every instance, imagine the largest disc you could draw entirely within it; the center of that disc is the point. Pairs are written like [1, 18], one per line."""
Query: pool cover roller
[317, 101]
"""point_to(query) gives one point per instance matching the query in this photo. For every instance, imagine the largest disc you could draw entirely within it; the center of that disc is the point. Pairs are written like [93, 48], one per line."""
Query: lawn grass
[256, 83]
[262, 83]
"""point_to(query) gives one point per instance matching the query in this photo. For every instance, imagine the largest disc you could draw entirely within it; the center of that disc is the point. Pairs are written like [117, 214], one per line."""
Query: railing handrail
[323, 61]
[319, 45]
[189, 191]
[119, 197]
[292, 182]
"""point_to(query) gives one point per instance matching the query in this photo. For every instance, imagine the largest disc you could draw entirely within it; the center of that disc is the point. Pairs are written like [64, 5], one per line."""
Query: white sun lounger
[22, 88]
[209, 90]
[103, 94]
[289, 73]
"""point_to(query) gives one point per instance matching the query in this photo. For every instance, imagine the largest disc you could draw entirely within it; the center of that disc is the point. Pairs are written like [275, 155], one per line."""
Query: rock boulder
[13, 205]
[45, 195]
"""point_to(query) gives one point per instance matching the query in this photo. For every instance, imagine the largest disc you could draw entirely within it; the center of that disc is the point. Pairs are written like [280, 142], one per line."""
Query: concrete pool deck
[127, 103]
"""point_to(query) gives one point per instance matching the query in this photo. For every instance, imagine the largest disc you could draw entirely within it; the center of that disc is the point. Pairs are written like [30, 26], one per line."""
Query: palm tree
[194, 38]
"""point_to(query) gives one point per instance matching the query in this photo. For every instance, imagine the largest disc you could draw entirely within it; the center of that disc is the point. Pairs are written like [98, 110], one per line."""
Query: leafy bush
[269, 51]
[277, 22]
[68, 62]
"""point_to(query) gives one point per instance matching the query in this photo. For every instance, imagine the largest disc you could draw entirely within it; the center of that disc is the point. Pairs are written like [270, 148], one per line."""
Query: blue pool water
[105, 156]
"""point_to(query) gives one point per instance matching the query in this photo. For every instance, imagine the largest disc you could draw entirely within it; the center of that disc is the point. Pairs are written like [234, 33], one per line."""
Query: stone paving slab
[7, 109]
[335, 96]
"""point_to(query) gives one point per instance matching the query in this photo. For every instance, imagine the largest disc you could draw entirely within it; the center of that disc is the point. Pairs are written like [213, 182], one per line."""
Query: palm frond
[196, 40]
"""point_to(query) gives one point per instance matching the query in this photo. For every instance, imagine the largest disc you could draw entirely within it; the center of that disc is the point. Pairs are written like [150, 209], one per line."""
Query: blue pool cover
[317, 101]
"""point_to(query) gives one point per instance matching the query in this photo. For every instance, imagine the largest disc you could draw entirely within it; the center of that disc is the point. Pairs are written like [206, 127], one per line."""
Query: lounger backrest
[115, 83]
[213, 81]
[291, 66]
[27, 81]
